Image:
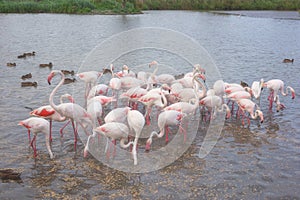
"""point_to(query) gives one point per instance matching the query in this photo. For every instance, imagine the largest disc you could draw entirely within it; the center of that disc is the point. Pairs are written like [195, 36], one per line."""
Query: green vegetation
[219, 4]
[135, 6]
[68, 6]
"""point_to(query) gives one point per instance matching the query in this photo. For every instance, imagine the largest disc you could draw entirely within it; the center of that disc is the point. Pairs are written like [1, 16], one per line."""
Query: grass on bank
[67, 6]
[135, 6]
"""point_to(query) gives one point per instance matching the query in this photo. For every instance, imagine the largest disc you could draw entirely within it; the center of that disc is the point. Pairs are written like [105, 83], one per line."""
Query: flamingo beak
[293, 95]
[50, 78]
[147, 147]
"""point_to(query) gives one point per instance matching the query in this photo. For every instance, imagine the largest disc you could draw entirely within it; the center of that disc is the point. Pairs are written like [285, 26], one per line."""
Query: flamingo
[104, 100]
[153, 98]
[113, 130]
[235, 96]
[115, 85]
[90, 79]
[215, 102]
[162, 78]
[165, 119]
[47, 112]
[94, 109]
[249, 106]
[256, 88]
[125, 72]
[37, 125]
[133, 94]
[117, 115]
[275, 86]
[100, 89]
[136, 122]
[71, 111]
[187, 107]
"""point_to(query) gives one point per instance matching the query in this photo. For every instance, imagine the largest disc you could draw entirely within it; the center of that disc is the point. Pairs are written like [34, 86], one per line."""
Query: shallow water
[260, 161]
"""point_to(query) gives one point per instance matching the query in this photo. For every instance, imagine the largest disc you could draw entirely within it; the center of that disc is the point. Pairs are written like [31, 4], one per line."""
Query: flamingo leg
[183, 131]
[29, 135]
[75, 134]
[148, 111]
[50, 131]
[270, 98]
[115, 143]
[33, 145]
[61, 129]
[167, 134]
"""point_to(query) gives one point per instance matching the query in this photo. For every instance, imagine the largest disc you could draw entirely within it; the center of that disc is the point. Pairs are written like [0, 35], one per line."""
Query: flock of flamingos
[174, 98]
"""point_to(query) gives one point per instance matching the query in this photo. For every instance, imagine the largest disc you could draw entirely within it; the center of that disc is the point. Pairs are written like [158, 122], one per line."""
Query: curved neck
[55, 89]
[123, 145]
[196, 88]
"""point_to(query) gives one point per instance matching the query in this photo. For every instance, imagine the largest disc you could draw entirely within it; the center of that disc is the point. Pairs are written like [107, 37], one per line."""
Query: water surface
[260, 161]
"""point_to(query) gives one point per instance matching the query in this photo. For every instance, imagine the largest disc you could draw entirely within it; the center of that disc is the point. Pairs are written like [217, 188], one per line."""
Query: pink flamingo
[125, 72]
[71, 111]
[162, 78]
[136, 122]
[47, 112]
[37, 125]
[275, 86]
[117, 115]
[94, 109]
[215, 102]
[104, 100]
[249, 106]
[113, 130]
[100, 89]
[150, 99]
[235, 96]
[133, 94]
[165, 119]
[90, 79]
[187, 107]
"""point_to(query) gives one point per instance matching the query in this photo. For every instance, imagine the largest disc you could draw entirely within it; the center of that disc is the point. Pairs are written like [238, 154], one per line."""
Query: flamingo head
[261, 115]
[202, 76]
[86, 151]
[148, 144]
[293, 93]
[153, 63]
[50, 76]
[166, 87]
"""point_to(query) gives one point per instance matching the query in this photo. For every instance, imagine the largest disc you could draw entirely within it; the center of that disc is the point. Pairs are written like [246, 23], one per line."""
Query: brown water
[260, 161]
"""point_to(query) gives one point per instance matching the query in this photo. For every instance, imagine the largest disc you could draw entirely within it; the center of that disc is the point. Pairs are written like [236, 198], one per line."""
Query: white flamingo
[165, 119]
[71, 111]
[37, 125]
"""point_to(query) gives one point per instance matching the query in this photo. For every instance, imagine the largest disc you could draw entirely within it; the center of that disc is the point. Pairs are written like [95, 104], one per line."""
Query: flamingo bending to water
[113, 130]
[249, 106]
[37, 125]
[165, 119]
[275, 86]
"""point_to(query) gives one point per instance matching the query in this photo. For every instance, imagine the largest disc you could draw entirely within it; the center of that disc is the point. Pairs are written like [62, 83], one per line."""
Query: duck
[26, 76]
[22, 56]
[66, 72]
[29, 84]
[11, 64]
[30, 54]
[50, 65]
[10, 174]
[286, 60]
[69, 80]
